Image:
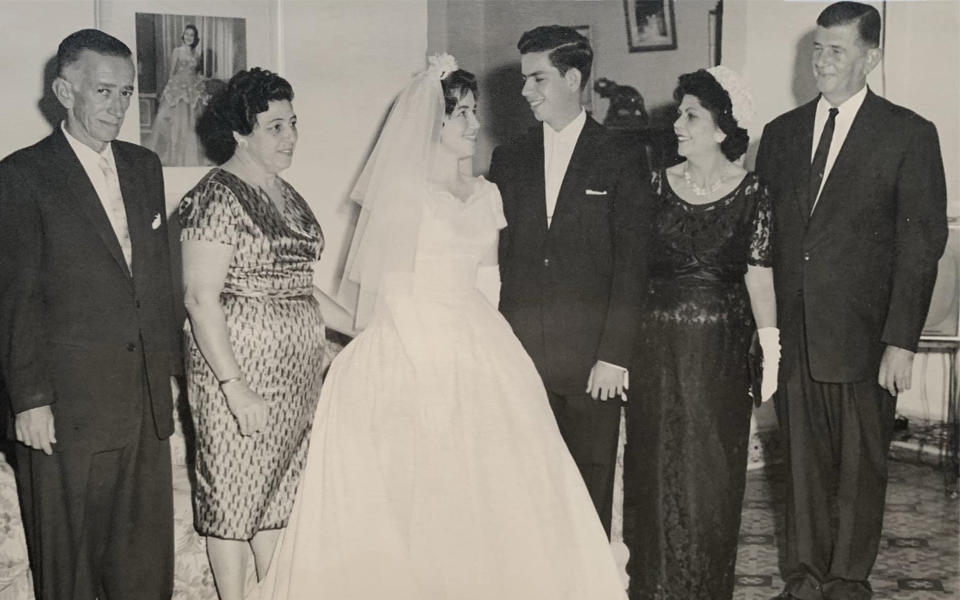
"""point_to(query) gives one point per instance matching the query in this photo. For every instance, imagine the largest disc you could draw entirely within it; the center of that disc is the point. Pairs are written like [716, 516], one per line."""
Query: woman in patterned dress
[256, 339]
[710, 286]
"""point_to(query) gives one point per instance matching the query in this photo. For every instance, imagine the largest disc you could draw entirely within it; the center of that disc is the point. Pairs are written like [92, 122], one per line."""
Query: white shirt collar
[847, 109]
[568, 134]
[88, 156]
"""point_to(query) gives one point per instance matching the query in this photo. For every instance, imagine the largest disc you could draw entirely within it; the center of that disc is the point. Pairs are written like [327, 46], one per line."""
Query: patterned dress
[688, 419]
[247, 483]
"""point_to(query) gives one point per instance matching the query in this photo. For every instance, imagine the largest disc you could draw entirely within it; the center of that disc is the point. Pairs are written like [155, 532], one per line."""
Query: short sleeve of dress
[760, 248]
[210, 213]
[496, 206]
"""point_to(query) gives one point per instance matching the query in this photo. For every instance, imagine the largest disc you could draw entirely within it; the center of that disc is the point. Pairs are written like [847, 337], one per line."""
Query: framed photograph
[651, 25]
[186, 67]
[183, 60]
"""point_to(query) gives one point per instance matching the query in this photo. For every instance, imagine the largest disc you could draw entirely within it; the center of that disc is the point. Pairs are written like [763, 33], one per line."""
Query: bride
[436, 469]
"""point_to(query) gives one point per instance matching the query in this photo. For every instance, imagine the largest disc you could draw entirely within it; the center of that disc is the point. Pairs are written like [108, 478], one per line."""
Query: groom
[572, 256]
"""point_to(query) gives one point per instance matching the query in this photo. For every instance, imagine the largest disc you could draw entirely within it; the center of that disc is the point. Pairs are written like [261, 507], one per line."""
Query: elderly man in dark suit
[89, 344]
[859, 222]
[571, 257]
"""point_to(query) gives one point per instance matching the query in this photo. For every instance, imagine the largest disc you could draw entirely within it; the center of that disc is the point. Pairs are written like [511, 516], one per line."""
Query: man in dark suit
[859, 224]
[89, 343]
[571, 256]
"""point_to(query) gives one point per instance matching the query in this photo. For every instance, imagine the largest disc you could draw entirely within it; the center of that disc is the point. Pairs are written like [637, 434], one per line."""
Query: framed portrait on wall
[651, 25]
[184, 52]
[183, 60]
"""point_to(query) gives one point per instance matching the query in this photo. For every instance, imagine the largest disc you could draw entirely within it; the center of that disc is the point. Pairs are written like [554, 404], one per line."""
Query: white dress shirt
[557, 149]
[107, 191]
[847, 112]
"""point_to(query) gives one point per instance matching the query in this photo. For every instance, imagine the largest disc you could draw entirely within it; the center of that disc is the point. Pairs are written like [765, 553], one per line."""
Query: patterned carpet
[919, 554]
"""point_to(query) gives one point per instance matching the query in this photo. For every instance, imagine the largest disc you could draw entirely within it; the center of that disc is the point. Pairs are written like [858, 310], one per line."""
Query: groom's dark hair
[568, 49]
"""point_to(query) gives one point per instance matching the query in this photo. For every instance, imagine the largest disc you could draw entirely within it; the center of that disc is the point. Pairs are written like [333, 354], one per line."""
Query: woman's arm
[205, 267]
[335, 316]
[763, 300]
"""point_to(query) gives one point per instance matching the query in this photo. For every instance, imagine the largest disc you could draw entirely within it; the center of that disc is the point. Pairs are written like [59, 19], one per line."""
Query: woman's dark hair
[455, 87]
[235, 108]
[714, 98]
[196, 35]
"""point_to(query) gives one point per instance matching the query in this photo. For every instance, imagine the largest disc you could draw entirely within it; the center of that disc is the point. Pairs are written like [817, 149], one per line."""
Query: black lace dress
[688, 417]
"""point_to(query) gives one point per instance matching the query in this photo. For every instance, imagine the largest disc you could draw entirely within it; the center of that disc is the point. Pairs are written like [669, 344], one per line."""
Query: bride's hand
[248, 408]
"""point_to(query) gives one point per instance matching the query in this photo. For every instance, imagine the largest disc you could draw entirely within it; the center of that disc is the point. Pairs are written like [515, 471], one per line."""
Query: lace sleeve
[760, 248]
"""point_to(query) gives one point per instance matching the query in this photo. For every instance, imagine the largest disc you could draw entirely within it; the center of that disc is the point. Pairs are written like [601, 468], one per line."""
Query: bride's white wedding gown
[436, 469]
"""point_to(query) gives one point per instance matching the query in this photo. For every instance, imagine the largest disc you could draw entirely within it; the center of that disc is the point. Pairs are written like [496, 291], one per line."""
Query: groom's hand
[606, 381]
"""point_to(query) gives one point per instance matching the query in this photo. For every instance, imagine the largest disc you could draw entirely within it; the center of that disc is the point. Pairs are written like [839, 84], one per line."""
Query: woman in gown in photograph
[436, 468]
[181, 104]
[255, 343]
[710, 286]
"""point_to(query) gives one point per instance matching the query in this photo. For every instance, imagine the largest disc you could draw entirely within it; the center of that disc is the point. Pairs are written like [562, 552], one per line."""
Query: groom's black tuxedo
[571, 291]
[98, 345]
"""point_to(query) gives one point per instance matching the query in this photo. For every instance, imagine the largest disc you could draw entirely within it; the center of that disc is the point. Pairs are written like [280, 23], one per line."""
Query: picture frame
[651, 25]
[263, 48]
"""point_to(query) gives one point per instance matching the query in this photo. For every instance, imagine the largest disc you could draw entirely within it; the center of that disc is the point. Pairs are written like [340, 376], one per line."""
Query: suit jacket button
[806, 256]
[546, 262]
[131, 347]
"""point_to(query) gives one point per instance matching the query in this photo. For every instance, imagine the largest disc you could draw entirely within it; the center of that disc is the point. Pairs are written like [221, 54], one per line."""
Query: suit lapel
[801, 159]
[137, 220]
[861, 141]
[536, 208]
[80, 195]
[576, 178]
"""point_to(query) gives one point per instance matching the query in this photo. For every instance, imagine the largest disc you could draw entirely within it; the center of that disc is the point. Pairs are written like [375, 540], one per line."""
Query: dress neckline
[290, 216]
[475, 193]
[721, 201]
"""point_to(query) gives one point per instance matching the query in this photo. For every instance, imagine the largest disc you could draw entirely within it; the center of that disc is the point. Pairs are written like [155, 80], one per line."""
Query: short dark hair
[865, 16]
[568, 49]
[93, 40]
[196, 35]
[235, 108]
[455, 87]
[705, 88]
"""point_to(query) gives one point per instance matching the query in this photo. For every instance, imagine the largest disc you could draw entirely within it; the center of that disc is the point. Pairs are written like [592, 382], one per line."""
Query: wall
[770, 42]
[346, 60]
[483, 35]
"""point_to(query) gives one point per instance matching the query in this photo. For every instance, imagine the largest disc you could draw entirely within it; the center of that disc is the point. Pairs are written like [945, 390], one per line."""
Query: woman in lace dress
[436, 468]
[181, 104]
[710, 286]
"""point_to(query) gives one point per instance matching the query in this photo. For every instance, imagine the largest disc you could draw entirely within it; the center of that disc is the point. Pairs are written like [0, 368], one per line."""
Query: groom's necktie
[113, 205]
[819, 163]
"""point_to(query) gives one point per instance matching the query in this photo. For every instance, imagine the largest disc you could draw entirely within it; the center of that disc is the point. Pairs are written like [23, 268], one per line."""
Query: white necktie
[113, 205]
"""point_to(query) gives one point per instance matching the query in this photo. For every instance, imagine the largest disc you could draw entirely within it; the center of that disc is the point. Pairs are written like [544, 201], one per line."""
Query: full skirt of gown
[436, 470]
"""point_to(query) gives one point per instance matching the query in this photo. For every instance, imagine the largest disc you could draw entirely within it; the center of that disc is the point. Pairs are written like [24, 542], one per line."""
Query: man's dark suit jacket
[77, 332]
[859, 272]
[572, 292]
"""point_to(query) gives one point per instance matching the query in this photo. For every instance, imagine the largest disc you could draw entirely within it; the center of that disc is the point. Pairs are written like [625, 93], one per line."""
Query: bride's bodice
[455, 236]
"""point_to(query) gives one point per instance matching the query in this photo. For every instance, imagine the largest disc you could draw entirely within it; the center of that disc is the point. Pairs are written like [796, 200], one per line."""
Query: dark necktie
[820, 159]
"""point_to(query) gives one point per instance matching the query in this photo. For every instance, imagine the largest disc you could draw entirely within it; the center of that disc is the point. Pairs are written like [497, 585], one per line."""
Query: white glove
[770, 344]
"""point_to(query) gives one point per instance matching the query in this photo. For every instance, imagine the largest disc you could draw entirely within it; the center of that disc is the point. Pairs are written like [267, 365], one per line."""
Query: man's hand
[34, 428]
[606, 381]
[896, 369]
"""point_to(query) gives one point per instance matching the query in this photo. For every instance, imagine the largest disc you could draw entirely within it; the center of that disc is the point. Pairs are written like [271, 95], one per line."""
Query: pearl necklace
[696, 189]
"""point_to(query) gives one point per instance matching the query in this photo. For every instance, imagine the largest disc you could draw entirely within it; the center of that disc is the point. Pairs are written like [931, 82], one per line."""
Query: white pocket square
[596, 192]
[157, 221]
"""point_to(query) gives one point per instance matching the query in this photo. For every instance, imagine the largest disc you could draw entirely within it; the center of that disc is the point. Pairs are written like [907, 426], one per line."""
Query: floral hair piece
[740, 97]
[441, 65]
